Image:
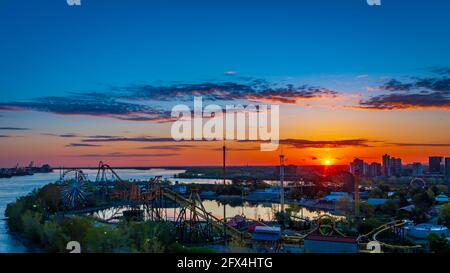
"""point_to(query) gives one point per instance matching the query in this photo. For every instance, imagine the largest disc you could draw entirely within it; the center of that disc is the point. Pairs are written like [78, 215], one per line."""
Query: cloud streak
[13, 129]
[418, 93]
[123, 155]
[82, 145]
[137, 102]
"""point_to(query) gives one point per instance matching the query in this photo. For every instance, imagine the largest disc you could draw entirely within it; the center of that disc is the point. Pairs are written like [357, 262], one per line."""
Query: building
[366, 169]
[334, 195]
[330, 244]
[357, 167]
[417, 169]
[376, 201]
[396, 166]
[434, 164]
[375, 169]
[386, 159]
[266, 233]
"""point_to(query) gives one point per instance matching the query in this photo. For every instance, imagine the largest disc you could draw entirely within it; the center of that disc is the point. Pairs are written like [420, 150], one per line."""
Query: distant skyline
[95, 82]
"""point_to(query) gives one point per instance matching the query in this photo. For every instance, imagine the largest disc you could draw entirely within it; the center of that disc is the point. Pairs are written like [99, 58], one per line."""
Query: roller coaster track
[102, 172]
[317, 227]
[377, 231]
[214, 221]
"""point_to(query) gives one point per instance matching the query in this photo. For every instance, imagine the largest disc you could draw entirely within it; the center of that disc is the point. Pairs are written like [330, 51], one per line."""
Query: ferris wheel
[74, 188]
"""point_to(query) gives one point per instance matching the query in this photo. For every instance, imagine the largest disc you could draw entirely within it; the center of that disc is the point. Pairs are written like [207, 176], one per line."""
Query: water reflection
[263, 211]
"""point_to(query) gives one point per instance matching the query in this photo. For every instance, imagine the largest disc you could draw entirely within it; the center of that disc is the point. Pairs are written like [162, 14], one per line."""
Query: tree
[343, 205]
[76, 228]
[438, 244]
[377, 193]
[368, 210]
[53, 238]
[31, 225]
[444, 214]
[50, 196]
[389, 208]
[368, 225]
[423, 200]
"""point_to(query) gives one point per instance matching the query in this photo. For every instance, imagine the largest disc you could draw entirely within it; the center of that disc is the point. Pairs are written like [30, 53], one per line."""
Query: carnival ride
[190, 217]
[74, 189]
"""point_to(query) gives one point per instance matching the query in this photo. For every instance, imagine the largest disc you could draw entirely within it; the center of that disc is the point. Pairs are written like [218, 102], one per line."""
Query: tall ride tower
[282, 182]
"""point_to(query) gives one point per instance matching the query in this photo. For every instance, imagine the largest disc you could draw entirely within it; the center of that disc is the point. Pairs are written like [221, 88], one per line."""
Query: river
[12, 188]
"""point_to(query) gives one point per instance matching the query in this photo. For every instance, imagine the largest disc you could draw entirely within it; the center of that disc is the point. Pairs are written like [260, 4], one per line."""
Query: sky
[79, 84]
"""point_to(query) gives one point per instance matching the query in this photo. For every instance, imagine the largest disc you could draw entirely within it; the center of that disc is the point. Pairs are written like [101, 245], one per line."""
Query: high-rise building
[357, 167]
[434, 164]
[417, 169]
[375, 169]
[447, 169]
[366, 171]
[396, 166]
[386, 165]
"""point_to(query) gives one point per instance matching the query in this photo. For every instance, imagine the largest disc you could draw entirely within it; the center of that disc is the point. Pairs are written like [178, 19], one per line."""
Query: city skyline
[87, 83]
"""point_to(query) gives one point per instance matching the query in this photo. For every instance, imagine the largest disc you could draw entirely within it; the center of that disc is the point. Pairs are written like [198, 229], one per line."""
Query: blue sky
[49, 47]
[115, 68]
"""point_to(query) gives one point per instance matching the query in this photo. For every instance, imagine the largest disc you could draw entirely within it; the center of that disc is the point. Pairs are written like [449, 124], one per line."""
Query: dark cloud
[13, 129]
[256, 90]
[82, 145]
[421, 144]
[395, 85]
[69, 135]
[168, 147]
[4, 136]
[303, 143]
[417, 92]
[133, 103]
[128, 139]
[297, 143]
[110, 155]
[436, 100]
[90, 104]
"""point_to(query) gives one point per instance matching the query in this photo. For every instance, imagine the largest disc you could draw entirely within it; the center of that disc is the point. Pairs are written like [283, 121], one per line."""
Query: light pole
[224, 205]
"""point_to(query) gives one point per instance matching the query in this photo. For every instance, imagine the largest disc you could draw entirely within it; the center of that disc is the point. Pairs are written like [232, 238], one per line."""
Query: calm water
[250, 210]
[12, 188]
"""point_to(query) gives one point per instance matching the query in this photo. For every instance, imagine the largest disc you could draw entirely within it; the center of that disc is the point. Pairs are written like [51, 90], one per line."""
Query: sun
[327, 162]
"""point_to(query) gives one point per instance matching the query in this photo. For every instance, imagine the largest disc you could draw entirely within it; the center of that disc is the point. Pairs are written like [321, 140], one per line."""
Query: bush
[444, 214]
[52, 237]
[368, 225]
[31, 226]
[438, 244]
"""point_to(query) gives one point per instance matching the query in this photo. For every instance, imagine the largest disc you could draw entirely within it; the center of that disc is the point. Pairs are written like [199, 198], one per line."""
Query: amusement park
[111, 214]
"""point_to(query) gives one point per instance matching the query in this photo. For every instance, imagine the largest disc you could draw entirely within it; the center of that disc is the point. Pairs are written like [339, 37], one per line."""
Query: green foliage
[16, 210]
[76, 228]
[284, 218]
[444, 214]
[368, 225]
[32, 226]
[367, 209]
[423, 200]
[50, 197]
[52, 237]
[377, 193]
[389, 208]
[438, 244]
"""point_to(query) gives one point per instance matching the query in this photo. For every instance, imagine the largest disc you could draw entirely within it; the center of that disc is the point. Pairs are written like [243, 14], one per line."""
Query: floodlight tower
[224, 205]
[282, 182]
